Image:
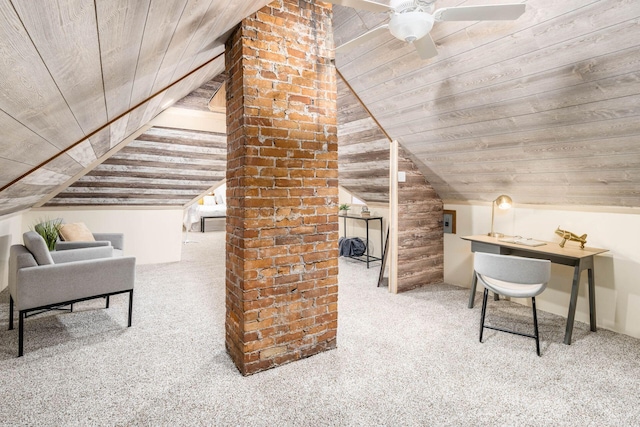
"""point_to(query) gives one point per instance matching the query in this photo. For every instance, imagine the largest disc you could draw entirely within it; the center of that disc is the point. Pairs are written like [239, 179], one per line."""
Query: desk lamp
[503, 202]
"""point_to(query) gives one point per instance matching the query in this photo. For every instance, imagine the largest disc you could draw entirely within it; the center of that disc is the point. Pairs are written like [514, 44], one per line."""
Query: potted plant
[343, 209]
[50, 231]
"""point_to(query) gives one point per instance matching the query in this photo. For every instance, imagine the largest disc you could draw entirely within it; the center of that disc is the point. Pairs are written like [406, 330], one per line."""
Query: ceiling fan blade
[371, 6]
[495, 12]
[351, 44]
[426, 47]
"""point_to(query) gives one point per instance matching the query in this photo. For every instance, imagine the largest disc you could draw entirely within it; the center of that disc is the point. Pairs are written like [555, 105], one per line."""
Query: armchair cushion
[38, 247]
[77, 231]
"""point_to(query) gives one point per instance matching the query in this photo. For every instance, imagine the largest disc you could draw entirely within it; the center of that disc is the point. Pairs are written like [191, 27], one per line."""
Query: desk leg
[472, 295]
[592, 300]
[573, 302]
[474, 283]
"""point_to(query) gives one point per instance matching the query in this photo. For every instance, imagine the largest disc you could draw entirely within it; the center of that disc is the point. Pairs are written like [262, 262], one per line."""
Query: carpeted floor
[402, 360]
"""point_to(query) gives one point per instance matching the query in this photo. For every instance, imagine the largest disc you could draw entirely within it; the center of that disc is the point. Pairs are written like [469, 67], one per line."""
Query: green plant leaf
[49, 229]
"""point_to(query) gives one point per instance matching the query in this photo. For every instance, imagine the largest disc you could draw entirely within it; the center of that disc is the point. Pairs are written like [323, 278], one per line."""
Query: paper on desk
[522, 241]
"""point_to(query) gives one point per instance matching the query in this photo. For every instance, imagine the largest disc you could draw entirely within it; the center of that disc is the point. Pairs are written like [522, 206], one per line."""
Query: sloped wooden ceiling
[544, 108]
[199, 99]
[163, 166]
[78, 76]
[363, 150]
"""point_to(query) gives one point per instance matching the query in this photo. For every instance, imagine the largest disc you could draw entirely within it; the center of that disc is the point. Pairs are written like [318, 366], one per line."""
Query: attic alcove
[545, 105]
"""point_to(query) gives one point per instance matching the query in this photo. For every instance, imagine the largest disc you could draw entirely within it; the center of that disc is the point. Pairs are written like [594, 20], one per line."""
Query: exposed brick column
[282, 187]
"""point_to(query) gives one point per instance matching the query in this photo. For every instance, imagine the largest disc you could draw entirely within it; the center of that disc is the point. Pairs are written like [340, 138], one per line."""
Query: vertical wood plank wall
[420, 233]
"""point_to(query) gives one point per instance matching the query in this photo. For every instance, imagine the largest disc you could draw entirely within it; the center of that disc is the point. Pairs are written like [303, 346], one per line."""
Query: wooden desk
[572, 256]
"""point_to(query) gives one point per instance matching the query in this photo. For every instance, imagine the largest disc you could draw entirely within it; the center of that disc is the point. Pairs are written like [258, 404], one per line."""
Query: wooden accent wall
[282, 187]
[420, 233]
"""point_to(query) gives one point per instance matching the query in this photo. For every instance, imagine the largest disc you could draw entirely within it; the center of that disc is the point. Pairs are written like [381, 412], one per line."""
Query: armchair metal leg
[483, 312]
[130, 306]
[10, 312]
[535, 325]
[21, 315]
[107, 302]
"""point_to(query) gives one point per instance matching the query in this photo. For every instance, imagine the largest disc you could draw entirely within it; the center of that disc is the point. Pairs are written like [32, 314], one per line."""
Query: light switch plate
[449, 221]
[402, 176]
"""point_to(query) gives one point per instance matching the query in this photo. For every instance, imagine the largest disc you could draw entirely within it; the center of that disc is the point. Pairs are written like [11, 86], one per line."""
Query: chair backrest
[513, 269]
[38, 247]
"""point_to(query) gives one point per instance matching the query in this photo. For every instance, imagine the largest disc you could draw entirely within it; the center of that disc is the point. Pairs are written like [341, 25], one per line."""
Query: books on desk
[522, 241]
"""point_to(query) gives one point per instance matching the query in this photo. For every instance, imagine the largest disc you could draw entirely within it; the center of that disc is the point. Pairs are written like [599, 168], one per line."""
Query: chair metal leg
[10, 312]
[483, 312]
[535, 325]
[130, 306]
[20, 333]
[107, 302]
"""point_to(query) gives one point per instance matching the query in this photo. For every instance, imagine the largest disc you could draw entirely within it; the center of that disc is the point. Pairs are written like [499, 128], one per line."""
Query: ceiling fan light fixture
[410, 26]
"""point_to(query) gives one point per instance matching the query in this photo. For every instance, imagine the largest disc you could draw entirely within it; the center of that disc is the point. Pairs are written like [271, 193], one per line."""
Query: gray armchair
[116, 240]
[40, 280]
[101, 239]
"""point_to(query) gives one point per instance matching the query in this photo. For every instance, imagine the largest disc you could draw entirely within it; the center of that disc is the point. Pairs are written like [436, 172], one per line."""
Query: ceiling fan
[411, 20]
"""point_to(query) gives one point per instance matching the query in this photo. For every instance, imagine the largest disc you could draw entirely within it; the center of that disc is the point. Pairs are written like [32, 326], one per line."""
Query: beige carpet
[402, 360]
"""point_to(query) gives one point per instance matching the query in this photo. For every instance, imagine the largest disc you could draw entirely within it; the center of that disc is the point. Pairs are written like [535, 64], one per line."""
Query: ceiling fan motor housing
[401, 6]
[410, 26]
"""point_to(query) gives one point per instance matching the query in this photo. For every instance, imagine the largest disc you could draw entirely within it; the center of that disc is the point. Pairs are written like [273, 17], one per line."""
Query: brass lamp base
[495, 234]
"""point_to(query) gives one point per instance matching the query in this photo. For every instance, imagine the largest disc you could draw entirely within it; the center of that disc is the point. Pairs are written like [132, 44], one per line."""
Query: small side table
[367, 257]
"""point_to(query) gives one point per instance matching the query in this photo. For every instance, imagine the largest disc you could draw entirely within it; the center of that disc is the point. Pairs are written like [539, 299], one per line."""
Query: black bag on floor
[353, 246]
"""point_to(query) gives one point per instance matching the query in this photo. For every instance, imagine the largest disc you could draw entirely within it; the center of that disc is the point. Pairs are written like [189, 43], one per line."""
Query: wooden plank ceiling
[161, 167]
[363, 150]
[79, 76]
[544, 108]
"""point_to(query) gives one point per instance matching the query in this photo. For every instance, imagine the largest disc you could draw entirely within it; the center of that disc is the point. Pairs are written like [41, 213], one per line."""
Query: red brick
[282, 186]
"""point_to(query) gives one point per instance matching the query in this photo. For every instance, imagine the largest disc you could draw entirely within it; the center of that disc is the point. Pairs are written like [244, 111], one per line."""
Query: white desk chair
[514, 277]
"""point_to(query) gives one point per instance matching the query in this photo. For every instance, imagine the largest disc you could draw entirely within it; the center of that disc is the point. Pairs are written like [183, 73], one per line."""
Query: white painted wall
[617, 272]
[151, 235]
[10, 234]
